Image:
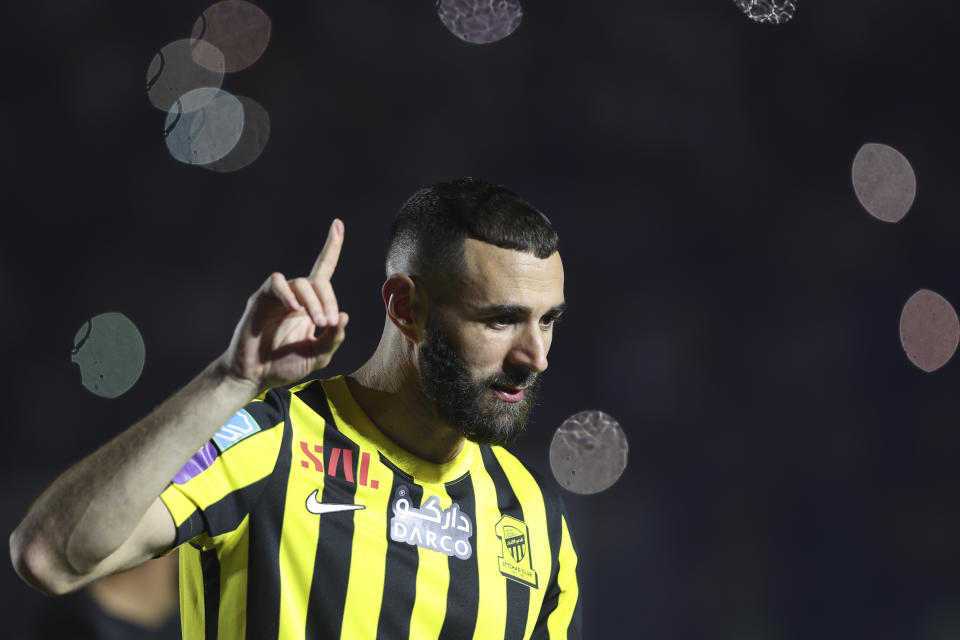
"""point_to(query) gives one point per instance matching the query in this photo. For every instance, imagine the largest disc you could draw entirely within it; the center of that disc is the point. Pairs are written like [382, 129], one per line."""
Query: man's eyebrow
[518, 310]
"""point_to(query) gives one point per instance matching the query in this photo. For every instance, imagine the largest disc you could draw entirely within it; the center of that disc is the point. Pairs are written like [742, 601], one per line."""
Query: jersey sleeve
[221, 483]
[560, 613]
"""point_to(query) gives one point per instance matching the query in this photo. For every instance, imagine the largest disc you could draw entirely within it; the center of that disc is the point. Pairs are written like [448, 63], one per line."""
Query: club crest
[515, 562]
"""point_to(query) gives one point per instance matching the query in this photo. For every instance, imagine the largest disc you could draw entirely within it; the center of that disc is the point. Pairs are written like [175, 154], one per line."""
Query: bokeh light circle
[588, 452]
[175, 71]
[884, 181]
[253, 139]
[110, 353]
[480, 21]
[208, 133]
[768, 11]
[239, 29]
[929, 330]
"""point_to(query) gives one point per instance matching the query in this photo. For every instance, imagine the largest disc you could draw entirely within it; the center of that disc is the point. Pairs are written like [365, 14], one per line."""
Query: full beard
[469, 405]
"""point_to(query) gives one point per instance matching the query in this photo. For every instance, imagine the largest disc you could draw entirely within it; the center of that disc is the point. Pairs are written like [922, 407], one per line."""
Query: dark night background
[791, 474]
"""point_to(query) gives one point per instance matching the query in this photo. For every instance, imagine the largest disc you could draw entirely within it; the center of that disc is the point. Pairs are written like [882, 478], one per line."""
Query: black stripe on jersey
[263, 578]
[463, 596]
[518, 595]
[400, 569]
[210, 567]
[331, 567]
[314, 397]
[553, 505]
[189, 528]
[270, 412]
[227, 514]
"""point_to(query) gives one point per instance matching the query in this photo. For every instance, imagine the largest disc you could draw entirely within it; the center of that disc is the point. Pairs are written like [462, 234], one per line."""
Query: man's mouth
[509, 394]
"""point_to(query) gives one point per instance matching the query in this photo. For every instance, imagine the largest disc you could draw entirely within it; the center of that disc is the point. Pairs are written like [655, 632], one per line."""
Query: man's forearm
[94, 507]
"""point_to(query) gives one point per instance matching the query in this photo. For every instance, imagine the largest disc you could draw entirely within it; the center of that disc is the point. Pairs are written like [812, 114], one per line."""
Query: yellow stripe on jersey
[191, 593]
[560, 618]
[535, 516]
[433, 579]
[178, 505]
[368, 559]
[492, 608]
[298, 538]
[232, 621]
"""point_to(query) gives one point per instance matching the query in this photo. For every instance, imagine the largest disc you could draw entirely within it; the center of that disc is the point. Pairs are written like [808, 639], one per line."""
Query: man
[376, 505]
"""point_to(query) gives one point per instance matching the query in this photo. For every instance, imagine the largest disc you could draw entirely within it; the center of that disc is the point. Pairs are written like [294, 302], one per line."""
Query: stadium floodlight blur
[207, 125]
[929, 330]
[252, 142]
[480, 21]
[239, 29]
[588, 452]
[207, 134]
[768, 11]
[110, 352]
[175, 70]
[884, 182]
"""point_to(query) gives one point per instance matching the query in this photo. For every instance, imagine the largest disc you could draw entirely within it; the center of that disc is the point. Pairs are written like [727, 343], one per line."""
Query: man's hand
[274, 342]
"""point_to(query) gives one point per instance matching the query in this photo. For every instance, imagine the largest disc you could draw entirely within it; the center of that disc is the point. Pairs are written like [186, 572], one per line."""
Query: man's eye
[550, 321]
[500, 323]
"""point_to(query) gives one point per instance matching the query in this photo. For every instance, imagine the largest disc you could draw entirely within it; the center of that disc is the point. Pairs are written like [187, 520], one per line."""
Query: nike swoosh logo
[317, 507]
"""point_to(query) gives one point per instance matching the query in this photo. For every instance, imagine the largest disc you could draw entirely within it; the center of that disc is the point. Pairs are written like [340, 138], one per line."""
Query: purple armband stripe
[201, 460]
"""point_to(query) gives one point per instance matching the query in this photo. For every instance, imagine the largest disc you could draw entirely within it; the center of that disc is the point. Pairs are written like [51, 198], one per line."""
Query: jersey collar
[355, 424]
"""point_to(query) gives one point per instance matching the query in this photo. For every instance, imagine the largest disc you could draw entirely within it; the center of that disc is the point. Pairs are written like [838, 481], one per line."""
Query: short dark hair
[428, 234]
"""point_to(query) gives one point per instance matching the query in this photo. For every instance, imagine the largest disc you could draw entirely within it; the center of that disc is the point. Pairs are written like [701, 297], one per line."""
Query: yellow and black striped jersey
[301, 519]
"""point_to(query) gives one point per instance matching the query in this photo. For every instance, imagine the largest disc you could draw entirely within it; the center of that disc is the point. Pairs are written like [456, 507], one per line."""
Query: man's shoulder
[262, 414]
[548, 488]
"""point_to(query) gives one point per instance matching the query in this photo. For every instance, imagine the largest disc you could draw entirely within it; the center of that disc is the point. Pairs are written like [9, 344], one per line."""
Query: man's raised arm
[103, 515]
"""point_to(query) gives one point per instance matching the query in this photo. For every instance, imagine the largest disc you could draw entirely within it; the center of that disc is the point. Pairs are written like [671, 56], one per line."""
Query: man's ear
[404, 302]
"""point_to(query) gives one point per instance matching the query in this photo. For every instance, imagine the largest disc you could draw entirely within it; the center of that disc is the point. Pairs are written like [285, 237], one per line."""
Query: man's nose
[530, 349]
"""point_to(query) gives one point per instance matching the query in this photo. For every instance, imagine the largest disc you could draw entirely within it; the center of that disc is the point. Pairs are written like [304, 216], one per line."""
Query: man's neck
[394, 402]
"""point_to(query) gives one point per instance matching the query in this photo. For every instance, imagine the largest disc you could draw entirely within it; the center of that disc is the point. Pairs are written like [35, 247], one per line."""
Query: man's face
[484, 351]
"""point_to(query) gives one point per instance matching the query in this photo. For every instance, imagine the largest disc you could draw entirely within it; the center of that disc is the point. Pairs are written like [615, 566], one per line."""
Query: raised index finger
[327, 260]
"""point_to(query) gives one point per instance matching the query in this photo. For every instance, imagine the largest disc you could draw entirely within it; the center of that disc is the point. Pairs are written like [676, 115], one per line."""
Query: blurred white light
[768, 11]
[253, 139]
[884, 182]
[110, 352]
[175, 71]
[588, 452]
[929, 330]
[206, 134]
[480, 21]
[239, 29]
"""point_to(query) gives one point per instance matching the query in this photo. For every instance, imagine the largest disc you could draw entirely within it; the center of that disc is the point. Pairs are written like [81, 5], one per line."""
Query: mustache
[517, 379]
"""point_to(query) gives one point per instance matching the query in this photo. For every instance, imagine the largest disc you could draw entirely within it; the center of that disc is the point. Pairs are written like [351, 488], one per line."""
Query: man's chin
[489, 434]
